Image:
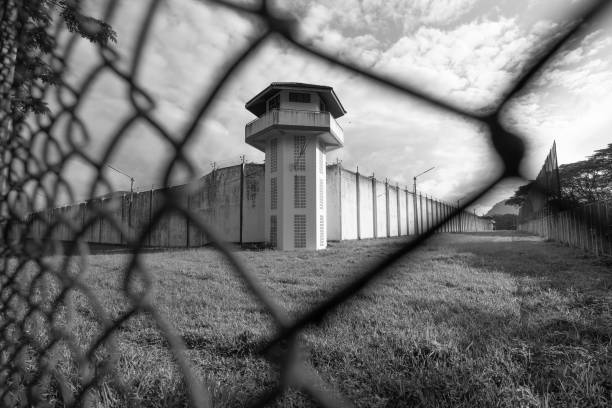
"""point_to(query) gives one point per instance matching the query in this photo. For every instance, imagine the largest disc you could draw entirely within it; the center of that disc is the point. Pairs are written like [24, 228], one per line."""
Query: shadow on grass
[550, 264]
[494, 359]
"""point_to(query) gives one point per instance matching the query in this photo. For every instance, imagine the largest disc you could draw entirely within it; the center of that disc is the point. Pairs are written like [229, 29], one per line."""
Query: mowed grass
[470, 320]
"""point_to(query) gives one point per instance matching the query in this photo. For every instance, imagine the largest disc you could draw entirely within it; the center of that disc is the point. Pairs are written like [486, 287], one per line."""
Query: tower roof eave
[257, 104]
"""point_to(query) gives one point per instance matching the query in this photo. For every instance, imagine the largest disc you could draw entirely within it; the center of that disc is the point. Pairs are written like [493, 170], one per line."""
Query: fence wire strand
[35, 293]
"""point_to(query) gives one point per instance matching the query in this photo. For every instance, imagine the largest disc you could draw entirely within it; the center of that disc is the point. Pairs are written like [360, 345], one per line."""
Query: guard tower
[295, 127]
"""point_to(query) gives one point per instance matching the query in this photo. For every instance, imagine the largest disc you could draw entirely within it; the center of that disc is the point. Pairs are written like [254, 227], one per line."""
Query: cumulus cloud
[471, 65]
[435, 45]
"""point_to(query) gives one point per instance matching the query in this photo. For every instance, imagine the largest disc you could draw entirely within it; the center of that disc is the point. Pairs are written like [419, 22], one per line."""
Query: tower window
[299, 153]
[274, 102]
[321, 194]
[273, 154]
[300, 191]
[322, 162]
[321, 231]
[273, 193]
[300, 97]
[299, 230]
[273, 231]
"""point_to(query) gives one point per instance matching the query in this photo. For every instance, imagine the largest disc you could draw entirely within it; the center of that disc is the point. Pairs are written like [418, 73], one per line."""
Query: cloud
[471, 65]
[442, 11]
[437, 45]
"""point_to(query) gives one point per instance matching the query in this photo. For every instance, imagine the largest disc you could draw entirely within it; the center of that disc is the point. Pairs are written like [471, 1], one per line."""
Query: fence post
[340, 194]
[432, 210]
[83, 219]
[427, 223]
[358, 204]
[387, 207]
[438, 213]
[241, 200]
[374, 207]
[445, 211]
[187, 240]
[608, 223]
[407, 213]
[421, 210]
[150, 214]
[432, 207]
[416, 212]
[399, 213]
[169, 220]
[100, 223]
[460, 217]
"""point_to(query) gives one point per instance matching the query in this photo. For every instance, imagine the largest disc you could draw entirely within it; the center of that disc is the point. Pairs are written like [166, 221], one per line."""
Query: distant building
[295, 127]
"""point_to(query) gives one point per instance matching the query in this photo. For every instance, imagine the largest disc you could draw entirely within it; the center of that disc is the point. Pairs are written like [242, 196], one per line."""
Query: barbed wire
[35, 293]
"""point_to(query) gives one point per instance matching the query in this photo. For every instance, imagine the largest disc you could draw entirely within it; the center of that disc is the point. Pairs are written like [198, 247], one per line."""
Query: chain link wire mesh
[35, 291]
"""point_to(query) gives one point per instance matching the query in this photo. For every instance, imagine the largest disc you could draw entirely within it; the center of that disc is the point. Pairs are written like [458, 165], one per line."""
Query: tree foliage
[581, 182]
[505, 221]
[35, 44]
[520, 194]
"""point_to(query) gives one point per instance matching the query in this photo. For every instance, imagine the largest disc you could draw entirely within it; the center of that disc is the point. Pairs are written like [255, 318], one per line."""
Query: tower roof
[257, 104]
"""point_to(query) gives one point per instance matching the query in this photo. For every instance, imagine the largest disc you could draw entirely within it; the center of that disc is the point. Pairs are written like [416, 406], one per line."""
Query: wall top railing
[293, 117]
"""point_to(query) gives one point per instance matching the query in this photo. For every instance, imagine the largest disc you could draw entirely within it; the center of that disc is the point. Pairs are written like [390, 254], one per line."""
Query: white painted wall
[333, 203]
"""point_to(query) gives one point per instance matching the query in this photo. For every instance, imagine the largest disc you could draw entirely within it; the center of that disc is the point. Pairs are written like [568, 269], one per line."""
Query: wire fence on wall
[587, 227]
[34, 307]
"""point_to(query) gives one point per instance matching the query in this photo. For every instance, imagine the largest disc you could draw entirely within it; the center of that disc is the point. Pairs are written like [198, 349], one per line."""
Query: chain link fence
[35, 311]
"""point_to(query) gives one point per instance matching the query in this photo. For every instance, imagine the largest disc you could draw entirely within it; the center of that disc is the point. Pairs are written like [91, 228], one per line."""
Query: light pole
[125, 174]
[416, 217]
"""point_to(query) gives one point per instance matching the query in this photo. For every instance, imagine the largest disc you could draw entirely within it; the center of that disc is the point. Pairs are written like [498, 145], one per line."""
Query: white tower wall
[296, 126]
[297, 183]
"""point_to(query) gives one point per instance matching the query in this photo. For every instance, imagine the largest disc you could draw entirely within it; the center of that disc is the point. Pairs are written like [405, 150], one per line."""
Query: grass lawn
[472, 320]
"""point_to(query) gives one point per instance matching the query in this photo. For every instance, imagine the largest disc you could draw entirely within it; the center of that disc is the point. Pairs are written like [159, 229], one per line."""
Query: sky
[467, 52]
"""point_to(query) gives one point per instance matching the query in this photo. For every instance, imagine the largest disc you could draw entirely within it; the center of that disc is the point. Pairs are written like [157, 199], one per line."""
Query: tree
[520, 194]
[505, 221]
[34, 43]
[585, 181]
[26, 47]
[603, 160]
[581, 182]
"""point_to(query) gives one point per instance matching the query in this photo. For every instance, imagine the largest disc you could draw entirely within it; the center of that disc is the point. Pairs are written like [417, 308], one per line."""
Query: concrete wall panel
[333, 203]
[140, 213]
[177, 222]
[402, 211]
[366, 208]
[93, 220]
[159, 232]
[420, 200]
[195, 235]
[392, 205]
[349, 205]
[254, 204]
[381, 210]
[220, 204]
[109, 234]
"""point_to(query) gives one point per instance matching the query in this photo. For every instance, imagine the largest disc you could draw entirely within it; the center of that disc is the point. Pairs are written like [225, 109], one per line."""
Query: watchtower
[295, 127]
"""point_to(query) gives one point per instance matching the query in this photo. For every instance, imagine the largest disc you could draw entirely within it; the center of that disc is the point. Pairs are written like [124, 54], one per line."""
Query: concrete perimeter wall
[214, 199]
[358, 207]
